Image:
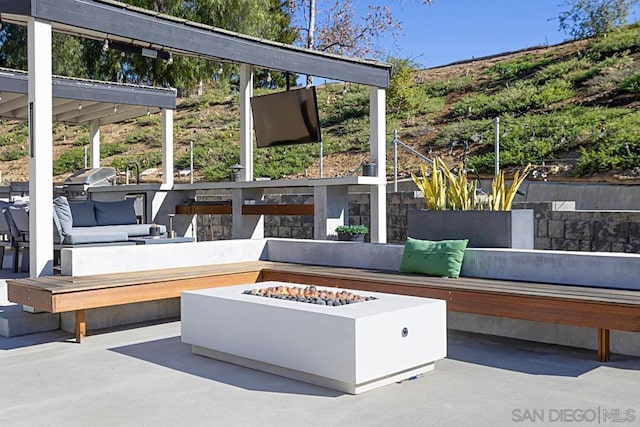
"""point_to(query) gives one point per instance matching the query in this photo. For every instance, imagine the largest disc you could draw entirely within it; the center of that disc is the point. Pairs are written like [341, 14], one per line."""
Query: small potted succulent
[352, 232]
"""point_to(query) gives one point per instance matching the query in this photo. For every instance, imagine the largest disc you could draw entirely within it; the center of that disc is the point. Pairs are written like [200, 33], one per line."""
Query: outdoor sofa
[95, 222]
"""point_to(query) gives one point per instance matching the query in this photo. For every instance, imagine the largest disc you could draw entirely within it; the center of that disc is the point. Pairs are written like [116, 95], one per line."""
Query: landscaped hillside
[572, 110]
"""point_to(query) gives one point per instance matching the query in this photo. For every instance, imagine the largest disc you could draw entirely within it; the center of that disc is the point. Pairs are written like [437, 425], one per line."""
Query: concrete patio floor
[145, 376]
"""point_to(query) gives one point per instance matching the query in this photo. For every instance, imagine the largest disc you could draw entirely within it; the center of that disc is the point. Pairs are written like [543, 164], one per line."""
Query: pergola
[143, 29]
[83, 102]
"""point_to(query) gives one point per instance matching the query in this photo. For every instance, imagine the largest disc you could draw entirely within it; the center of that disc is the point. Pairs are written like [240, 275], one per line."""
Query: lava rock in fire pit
[310, 294]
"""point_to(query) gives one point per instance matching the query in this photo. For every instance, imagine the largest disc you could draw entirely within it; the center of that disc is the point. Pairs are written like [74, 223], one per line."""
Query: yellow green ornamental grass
[442, 189]
[501, 198]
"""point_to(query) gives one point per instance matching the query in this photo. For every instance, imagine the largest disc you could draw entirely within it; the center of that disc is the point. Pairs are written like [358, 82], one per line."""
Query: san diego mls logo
[573, 415]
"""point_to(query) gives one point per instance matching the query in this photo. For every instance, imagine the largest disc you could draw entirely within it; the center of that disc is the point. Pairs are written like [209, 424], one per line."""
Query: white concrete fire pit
[352, 348]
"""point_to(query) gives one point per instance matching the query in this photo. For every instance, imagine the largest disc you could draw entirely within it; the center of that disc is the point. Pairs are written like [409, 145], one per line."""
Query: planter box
[484, 229]
[348, 237]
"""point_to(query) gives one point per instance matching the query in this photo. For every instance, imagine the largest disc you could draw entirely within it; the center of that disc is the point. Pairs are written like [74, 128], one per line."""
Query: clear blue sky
[453, 30]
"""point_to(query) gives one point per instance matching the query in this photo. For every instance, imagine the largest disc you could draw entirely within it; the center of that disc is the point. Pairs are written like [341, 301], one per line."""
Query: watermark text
[597, 415]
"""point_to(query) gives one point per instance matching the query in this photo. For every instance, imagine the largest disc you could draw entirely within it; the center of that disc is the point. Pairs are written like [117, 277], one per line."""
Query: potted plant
[352, 232]
[456, 211]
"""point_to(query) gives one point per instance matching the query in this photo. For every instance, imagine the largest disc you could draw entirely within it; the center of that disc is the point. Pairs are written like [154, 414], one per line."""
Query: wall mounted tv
[289, 117]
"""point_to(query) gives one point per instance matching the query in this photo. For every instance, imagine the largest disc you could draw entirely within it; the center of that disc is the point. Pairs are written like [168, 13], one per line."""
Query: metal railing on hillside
[396, 142]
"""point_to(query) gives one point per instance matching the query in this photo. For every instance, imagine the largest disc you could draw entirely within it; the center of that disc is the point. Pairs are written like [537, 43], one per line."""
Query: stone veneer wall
[590, 231]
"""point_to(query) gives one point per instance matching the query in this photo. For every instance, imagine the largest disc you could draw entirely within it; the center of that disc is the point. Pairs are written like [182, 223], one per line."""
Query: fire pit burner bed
[310, 295]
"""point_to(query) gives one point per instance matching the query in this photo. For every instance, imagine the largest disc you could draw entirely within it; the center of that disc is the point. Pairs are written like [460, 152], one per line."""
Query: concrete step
[14, 321]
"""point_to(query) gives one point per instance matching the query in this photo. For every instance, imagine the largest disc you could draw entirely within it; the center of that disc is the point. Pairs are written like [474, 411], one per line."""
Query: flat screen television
[289, 117]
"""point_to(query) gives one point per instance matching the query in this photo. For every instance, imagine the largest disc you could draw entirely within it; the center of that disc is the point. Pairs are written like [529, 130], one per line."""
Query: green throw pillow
[433, 258]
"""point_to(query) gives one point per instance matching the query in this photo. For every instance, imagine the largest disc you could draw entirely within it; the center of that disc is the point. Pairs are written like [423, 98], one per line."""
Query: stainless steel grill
[77, 185]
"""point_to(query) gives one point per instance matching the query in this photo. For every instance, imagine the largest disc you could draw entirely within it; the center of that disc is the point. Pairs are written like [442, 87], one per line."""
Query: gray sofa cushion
[115, 213]
[62, 210]
[107, 233]
[57, 230]
[83, 214]
[81, 235]
[134, 230]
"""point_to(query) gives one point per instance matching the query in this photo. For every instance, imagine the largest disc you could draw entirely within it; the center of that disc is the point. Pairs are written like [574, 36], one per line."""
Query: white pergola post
[246, 122]
[167, 148]
[94, 143]
[41, 149]
[378, 231]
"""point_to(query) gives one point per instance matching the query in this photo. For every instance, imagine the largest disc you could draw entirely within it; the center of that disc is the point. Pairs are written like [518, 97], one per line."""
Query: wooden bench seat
[58, 294]
[603, 309]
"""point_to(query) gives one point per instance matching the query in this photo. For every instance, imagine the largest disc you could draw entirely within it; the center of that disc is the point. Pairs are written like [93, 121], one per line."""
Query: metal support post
[395, 161]
[497, 147]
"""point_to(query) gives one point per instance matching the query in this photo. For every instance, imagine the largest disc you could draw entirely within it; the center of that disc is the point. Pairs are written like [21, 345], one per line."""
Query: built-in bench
[59, 294]
[604, 309]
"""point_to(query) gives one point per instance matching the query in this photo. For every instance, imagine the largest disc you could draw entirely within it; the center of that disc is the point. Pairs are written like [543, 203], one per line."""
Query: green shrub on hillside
[478, 105]
[517, 98]
[554, 91]
[466, 130]
[428, 105]
[81, 140]
[518, 67]
[616, 156]
[111, 149]
[605, 75]
[12, 138]
[277, 162]
[402, 88]
[631, 84]
[13, 153]
[439, 88]
[568, 69]
[69, 161]
[339, 105]
[16, 134]
[625, 39]
[610, 134]
[149, 120]
[142, 135]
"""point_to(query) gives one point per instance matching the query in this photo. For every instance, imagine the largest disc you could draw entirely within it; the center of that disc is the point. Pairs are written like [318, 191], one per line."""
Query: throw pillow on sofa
[83, 214]
[62, 211]
[433, 258]
[116, 213]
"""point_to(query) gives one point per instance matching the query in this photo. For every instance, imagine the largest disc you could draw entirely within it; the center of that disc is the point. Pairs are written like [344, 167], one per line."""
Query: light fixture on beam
[149, 53]
[144, 51]
[105, 45]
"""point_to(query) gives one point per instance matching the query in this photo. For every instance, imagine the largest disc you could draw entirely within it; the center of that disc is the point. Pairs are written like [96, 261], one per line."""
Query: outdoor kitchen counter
[330, 202]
